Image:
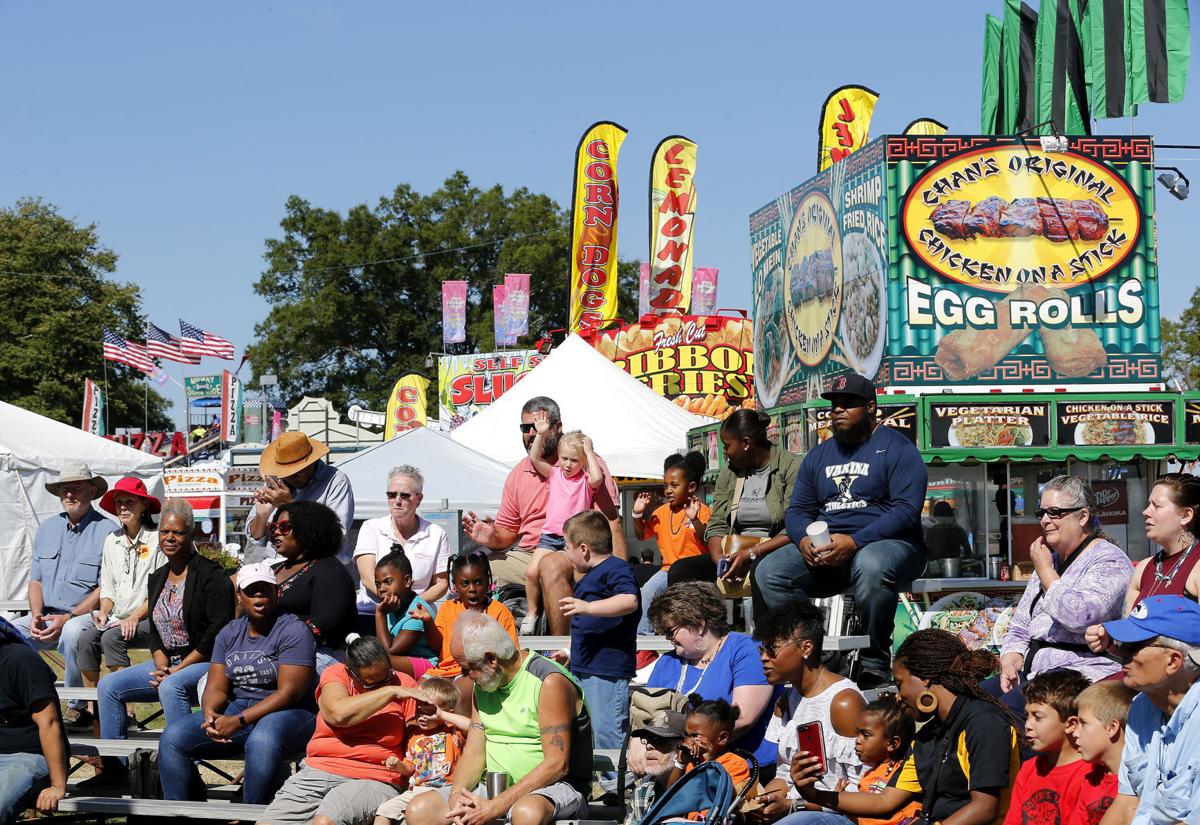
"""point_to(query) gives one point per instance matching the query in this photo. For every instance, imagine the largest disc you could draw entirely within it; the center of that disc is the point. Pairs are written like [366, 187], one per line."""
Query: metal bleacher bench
[660, 644]
[603, 760]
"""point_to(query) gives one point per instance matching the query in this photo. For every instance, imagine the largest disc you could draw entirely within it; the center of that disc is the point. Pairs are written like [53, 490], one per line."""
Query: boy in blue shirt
[604, 615]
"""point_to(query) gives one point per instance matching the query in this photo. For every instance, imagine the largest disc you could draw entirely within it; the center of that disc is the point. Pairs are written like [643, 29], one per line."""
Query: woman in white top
[130, 554]
[790, 646]
[426, 545]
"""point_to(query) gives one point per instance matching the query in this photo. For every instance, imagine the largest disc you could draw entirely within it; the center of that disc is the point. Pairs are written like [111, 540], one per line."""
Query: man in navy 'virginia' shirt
[868, 484]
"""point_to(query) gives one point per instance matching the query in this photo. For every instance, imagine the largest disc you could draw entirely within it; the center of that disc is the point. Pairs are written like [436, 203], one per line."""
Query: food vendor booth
[1004, 299]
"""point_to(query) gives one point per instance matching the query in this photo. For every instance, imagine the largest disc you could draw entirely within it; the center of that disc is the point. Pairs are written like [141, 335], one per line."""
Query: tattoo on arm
[549, 729]
[477, 725]
[558, 742]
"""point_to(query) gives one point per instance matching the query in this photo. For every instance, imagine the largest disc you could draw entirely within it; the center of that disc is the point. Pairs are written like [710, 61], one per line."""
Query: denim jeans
[176, 693]
[876, 573]
[20, 775]
[608, 705]
[265, 743]
[68, 640]
[655, 585]
[814, 818]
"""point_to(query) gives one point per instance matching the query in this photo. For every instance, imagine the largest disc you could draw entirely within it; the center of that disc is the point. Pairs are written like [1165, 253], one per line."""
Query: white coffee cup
[818, 534]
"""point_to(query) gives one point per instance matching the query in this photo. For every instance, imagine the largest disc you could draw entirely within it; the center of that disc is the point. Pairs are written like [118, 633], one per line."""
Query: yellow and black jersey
[974, 749]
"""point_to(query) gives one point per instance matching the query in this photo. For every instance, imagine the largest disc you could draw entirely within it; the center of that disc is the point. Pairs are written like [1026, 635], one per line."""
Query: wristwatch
[753, 555]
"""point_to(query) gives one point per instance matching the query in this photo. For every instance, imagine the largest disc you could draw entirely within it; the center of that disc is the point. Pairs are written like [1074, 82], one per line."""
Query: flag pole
[146, 408]
[107, 397]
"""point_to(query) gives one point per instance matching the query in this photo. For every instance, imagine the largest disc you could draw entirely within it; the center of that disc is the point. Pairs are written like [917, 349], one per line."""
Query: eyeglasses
[1055, 512]
[392, 495]
[771, 650]
[1126, 651]
[283, 528]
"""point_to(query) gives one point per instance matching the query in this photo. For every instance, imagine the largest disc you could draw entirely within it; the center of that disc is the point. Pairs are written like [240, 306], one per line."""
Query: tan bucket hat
[77, 471]
[290, 453]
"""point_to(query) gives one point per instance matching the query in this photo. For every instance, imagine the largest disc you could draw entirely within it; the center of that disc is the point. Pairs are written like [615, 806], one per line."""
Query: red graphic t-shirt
[1097, 790]
[1044, 794]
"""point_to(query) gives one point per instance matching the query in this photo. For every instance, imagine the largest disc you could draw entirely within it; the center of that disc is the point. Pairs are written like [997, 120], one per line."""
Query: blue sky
[180, 129]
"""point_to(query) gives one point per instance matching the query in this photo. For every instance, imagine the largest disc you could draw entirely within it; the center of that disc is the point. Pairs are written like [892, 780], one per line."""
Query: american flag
[161, 344]
[118, 349]
[195, 341]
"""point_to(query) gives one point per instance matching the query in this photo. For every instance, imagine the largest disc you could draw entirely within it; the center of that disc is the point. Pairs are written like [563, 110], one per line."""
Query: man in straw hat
[293, 470]
[64, 575]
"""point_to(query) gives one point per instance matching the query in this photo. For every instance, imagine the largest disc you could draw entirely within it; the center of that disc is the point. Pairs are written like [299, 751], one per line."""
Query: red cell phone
[810, 739]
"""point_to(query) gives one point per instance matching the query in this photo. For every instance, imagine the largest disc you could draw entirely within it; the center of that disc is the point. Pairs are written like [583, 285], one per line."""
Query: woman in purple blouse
[1079, 580]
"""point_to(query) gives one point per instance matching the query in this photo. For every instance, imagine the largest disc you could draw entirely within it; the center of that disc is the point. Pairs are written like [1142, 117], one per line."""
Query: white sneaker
[528, 625]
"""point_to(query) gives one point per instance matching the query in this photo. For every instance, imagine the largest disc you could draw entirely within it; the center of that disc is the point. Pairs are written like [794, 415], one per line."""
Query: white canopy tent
[32, 450]
[632, 427]
[465, 478]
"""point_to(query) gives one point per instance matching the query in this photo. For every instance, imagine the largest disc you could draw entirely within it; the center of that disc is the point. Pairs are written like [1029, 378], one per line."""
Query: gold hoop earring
[927, 702]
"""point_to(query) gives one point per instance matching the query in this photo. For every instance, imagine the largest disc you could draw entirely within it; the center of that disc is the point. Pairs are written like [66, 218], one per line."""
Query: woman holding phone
[817, 714]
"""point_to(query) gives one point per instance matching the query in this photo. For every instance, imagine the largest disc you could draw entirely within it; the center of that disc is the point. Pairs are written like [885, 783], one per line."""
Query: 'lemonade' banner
[468, 383]
[93, 408]
[454, 312]
[672, 216]
[703, 364]
[594, 201]
[845, 124]
[406, 406]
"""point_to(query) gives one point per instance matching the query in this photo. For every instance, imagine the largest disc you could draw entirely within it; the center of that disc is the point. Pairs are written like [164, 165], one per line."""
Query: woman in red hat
[130, 554]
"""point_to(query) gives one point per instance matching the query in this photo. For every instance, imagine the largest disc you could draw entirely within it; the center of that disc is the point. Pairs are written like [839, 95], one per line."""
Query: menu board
[1116, 424]
[989, 425]
[900, 417]
[1191, 422]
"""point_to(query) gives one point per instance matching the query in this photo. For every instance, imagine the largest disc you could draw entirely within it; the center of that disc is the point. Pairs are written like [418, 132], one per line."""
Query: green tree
[1181, 345]
[356, 298]
[57, 299]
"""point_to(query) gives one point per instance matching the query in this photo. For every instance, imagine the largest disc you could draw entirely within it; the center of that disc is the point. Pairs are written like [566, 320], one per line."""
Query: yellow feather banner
[406, 406]
[925, 126]
[672, 215]
[845, 123]
[594, 201]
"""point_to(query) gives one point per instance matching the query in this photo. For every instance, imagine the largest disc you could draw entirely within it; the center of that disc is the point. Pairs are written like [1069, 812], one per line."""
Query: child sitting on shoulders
[573, 482]
[1050, 781]
[436, 737]
[1101, 712]
[707, 731]
[402, 635]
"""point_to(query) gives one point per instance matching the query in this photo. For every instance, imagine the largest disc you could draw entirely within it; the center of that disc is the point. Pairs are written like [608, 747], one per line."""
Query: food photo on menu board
[1104, 423]
[989, 425]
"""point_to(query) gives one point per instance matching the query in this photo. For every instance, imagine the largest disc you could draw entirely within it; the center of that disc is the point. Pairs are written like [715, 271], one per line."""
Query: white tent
[466, 479]
[632, 427]
[32, 450]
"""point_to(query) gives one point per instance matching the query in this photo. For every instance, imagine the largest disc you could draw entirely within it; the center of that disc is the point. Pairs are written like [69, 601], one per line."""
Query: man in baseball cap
[659, 738]
[862, 492]
[64, 574]
[1159, 642]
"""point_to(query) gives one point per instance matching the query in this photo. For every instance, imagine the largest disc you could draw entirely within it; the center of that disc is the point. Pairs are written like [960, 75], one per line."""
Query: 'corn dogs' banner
[949, 261]
[406, 406]
[672, 215]
[594, 202]
[704, 364]
[845, 123]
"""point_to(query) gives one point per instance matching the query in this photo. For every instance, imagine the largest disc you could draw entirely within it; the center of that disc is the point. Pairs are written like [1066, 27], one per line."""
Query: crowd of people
[399, 693]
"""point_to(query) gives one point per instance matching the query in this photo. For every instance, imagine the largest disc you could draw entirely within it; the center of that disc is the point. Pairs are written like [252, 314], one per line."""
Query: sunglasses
[372, 685]
[283, 528]
[1126, 651]
[771, 648]
[1055, 512]
[393, 495]
[527, 428]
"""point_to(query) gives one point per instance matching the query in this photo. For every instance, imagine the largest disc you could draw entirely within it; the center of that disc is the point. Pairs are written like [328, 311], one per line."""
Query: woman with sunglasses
[424, 543]
[313, 584]
[258, 700]
[364, 707]
[790, 641]
[714, 662]
[1079, 580]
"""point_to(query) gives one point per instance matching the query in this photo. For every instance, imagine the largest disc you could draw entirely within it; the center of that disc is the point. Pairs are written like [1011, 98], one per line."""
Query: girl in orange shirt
[707, 730]
[678, 524]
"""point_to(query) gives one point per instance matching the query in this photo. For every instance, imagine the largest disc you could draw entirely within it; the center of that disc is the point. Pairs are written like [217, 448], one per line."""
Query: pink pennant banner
[516, 302]
[644, 289]
[500, 323]
[454, 312]
[704, 290]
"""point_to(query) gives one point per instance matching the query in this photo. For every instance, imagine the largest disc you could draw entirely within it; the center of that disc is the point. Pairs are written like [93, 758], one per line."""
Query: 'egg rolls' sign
[1017, 266]
[1117, 424]
[989, 425]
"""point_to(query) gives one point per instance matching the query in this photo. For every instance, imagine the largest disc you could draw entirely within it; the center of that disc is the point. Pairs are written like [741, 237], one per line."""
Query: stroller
[705, 787]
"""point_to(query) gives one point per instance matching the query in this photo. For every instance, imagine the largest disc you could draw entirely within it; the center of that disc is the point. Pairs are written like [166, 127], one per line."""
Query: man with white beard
[529, 722]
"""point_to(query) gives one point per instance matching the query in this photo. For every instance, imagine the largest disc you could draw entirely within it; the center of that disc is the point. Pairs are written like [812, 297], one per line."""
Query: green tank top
[513, 732]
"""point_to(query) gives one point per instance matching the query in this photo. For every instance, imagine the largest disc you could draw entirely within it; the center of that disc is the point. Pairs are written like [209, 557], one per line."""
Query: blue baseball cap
[1174, 617]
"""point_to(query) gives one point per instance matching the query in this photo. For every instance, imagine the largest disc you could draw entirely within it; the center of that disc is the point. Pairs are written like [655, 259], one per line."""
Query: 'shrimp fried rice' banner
[672, 216]
[594, 200]
[845, 124]
[703, 364]
[468, 383]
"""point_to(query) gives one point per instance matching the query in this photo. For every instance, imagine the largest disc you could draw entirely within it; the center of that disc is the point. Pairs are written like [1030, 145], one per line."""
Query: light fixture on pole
[1175, 182]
